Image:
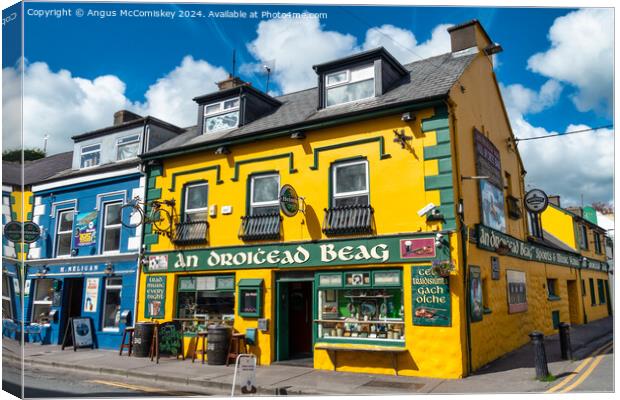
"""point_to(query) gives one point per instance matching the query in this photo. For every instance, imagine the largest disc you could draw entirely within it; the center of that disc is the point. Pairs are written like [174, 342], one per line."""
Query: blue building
[85, 263]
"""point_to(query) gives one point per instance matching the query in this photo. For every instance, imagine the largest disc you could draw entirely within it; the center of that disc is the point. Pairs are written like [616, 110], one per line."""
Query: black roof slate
[37, 170]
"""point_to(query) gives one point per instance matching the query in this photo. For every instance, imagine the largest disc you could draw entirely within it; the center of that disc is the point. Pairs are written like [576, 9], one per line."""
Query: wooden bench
[334, 348]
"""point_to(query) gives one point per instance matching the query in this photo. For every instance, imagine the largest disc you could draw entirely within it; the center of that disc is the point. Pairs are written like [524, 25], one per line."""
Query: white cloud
[403, 44]
[569, 165]
[521, 100]
[581, 54]
[296, 45]
[170, 98]
[61, 105]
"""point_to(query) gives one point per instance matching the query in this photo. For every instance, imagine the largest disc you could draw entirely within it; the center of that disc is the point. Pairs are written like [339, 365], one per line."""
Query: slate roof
[37, 170]
[428, 79]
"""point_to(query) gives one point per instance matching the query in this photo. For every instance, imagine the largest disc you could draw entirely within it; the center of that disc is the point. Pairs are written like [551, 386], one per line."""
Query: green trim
[150, 184]
[151, 238]
[435, 123]
[437, 151]
[29, 216]
[382, 154]
[12, 199]
[259, 298]
[250, 283]
[443, 135]
[13, 215]
[148, 228]
[156, 171]
[375, 342]
[193, 171]
[446, 196]
[153, 194]
[31, 200]
[436, 182]
[361, 116]
[290, 156]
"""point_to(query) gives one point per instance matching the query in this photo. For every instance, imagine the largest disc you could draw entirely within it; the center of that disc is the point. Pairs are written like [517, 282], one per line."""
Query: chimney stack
[230, 82]
[555, 200]
[123, 116]
[469, 34]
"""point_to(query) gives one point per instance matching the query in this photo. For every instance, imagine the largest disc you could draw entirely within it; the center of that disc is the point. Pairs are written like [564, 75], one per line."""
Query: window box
[250, 298]
[355, 219]
[260, 227]
[191, 232]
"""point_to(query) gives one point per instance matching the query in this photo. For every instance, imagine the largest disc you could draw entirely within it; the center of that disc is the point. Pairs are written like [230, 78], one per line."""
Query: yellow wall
[598, 310]
[559, 223]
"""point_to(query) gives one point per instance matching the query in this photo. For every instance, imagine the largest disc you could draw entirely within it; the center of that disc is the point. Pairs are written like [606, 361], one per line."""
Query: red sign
[417, 248]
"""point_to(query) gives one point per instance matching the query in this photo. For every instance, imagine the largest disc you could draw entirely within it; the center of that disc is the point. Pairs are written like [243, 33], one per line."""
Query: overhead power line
[565, 133]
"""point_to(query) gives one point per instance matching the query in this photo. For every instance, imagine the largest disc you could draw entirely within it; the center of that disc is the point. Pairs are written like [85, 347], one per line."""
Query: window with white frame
[42, 301]
[127, 147]
[221, 115]
[583, 237]
[112, 303]
[7, 306]
[264, 194]
[350, 184]
[196, 202]
[111, 227]
[350, 85]
[90, 156]
[64, 232]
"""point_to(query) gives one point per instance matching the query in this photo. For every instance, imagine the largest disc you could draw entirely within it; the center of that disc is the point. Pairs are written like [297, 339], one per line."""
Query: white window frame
[105, 225]
[356, 193]
[82, 153]
[348, 81]
[38, 302]
[195, 210]
[7, 296]
[58, 232]
[260, 204]
[220, 111]
[119, 144]
[105, 299]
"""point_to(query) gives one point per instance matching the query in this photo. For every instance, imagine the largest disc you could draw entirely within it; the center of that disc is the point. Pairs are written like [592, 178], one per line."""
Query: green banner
[155, 296]
[490, 239]
[375, 250]
[430, 295]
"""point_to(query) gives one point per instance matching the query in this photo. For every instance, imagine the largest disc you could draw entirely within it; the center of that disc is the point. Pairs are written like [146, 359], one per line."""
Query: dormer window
[90, 156]
[127, 147]
[350, 85]
[221, 115]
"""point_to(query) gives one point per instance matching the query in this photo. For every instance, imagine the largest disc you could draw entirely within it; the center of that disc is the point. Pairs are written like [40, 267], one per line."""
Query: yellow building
[399, 259]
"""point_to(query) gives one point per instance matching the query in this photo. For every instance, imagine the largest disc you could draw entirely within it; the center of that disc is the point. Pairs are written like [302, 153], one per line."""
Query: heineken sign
[289, 202]
[13, 232]
[306, 254]
[490, 239]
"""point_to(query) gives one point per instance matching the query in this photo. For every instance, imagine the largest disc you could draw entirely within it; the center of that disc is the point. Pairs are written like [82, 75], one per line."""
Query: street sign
[32, 232]
[536, 201]
[289, 202]
[13, 231]
[245, 374]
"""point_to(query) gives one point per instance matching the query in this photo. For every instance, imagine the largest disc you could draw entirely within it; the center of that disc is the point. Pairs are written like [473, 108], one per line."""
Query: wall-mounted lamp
[407, 117]
[109, 268]
[298, 135]
[43, 270]
[435, 215]
[222, 150]
[441, 240]
[474, 178]
[584, 262]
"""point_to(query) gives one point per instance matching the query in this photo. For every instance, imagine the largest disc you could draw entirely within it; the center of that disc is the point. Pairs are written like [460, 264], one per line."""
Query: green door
[282, 333]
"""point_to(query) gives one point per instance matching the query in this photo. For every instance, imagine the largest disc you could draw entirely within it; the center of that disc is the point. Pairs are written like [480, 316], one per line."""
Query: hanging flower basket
[443, 268]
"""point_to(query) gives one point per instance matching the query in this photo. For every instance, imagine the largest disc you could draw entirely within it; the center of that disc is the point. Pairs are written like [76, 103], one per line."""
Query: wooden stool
[203, 351]
[237, 346]
[129, 346]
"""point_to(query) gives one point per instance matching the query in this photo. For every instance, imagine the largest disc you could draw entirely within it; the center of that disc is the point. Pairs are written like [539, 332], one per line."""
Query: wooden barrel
[218, 340]
[142, 339]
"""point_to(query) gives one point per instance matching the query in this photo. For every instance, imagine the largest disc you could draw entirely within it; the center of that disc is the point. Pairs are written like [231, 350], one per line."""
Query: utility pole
[45, 137]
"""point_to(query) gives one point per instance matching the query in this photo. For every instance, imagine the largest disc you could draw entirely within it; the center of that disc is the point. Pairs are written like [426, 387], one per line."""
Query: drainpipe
[463, 229]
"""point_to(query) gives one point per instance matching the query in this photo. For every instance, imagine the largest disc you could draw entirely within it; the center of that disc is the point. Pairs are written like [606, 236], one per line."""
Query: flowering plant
[443, 267]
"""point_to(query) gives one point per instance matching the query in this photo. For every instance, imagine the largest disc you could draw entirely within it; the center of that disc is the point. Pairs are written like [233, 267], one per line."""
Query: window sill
[361, 341]
[111, 330]
[553, 298]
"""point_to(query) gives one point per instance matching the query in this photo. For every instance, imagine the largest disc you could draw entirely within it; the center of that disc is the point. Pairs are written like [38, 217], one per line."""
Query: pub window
[251, 298]
[42, 301]
[552, 289]
[112, 303]
[90, 156]
[7, 306]
[583, 237]
[264, 194]
[517, 291]
[597, 243]
[592, 294]
[361, 305]
[196, 202]
[534, 224]
[127, 147]
[205, 299]
[64, 232]
[221, 115]
[111, 227]
[601, 291]
[350, 85]
[350, 184]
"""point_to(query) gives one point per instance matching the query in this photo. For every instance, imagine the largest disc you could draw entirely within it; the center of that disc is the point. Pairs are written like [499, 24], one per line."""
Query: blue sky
[138, 57]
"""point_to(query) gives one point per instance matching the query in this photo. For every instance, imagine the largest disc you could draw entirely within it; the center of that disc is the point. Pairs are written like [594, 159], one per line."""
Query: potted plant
[443, 267]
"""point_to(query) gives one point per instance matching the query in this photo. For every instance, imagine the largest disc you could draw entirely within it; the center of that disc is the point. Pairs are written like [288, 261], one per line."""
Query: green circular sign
[32, 232]
[13, 231]
[289, 202]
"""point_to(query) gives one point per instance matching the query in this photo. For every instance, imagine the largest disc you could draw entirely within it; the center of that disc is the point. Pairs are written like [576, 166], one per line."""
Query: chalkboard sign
[80, 332]
[168, 340]
[155, 296]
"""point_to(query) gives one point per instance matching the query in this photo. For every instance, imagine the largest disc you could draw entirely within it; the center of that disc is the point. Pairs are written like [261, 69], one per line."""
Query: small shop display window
[368, 305]
[204, 300]
[251, 298]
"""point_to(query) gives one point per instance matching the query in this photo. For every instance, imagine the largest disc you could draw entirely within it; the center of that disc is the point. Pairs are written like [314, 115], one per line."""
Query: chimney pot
[230, 82]
[467, 35]
[123, 116]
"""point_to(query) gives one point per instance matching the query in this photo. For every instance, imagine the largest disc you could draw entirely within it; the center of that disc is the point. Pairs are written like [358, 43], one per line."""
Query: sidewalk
[513, 372]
